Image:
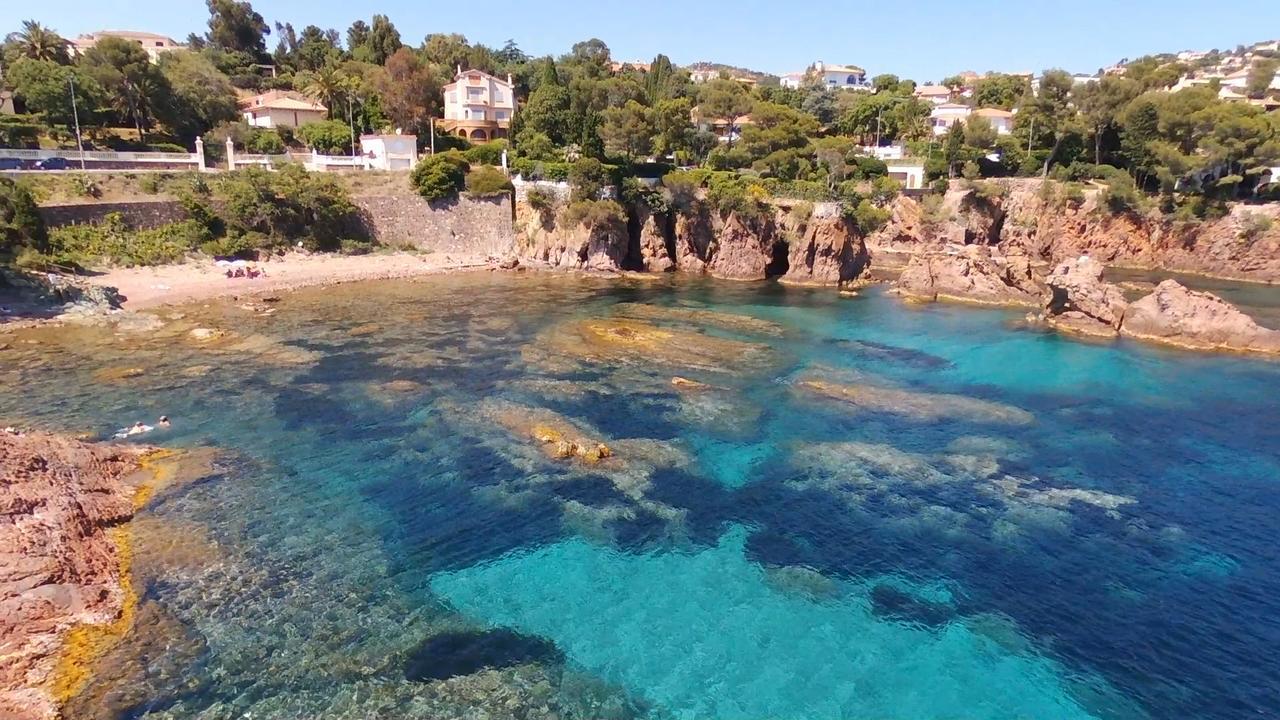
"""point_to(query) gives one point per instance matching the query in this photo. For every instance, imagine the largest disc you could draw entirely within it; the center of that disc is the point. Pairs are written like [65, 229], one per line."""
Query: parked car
[10, 164]
[53, 163]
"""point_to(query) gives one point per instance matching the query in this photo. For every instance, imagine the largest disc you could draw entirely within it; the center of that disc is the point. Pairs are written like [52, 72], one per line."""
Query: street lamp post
[75, 115]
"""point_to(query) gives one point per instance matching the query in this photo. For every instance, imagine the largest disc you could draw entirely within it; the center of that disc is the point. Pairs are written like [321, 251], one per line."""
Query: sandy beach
[146, 287]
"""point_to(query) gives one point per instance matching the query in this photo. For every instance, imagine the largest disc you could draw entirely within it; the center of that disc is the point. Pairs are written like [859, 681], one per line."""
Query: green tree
[628, 130]
[202, 95]
[1139, 128]
[44, 87]
[20, 223]
[357, 38]
[441, 176]
[235, 25]
[136, 89]
[588, 178]
[37, 42]
[328, 85]
[999, 91]
[1261, 74]
[548, 108]
[316, 48]
[1101, 103]
[726, 100]
[673, 127]
[1052, 112]
[376, 43]
[410, 92]
[447, 51]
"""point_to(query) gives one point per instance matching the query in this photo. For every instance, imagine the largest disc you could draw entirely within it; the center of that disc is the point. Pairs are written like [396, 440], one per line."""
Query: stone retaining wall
[463, 225]
[143, 215]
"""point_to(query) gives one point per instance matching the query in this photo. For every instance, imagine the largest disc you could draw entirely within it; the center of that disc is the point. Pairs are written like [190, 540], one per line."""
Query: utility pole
[75, 114]
[1031, 135]
[433, 135]
[351, 125]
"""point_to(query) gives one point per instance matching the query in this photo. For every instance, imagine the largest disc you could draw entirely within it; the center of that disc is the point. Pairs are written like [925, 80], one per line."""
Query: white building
[841, 77]
[908, 172]
[1000, 120]
[154, 44]
[792, 80]
[946, 115]
[280, 108]
[478, 106]
[389, 152]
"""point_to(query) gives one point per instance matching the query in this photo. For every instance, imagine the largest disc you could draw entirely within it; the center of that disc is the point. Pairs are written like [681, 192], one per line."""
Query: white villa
[946, 115]
[478, 106]
[279, 108]
[835, 77]
[936, 94]
[154, 44]
[1000, 120]
[389, 152]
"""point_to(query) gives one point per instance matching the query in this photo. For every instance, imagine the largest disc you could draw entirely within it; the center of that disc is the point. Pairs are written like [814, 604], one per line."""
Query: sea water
[1094, 539]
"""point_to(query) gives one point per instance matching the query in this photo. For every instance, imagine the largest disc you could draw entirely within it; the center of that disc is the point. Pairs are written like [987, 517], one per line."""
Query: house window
[473, 92]
[500, 115]
[851, 80]
[497, 95]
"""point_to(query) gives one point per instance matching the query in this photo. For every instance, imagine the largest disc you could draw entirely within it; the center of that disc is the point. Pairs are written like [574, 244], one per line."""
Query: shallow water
[872, 510]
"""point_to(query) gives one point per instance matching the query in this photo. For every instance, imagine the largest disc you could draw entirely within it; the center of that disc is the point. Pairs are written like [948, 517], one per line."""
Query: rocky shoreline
[65, 583]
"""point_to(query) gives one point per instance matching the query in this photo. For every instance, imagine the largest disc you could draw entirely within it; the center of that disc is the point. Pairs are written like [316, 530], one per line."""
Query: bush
[19, 131]
[869, 167]
[166, 147]
[289, 205]
[1121, 195]
[1254, 225]
[637, 194]
[149, 184]
[327, 137]
[20, 223]
[85, 186]
[681, 190]
[864, 214]
[731, 193]
[441, 176]
[489, 153]
[588, 177]
[593, 213]
[264, 142]
[487, 181]
[112, 241]
[542, 199]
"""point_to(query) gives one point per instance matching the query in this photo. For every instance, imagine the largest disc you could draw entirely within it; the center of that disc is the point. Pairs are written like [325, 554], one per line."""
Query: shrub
[20, 223]
[441, 176]
[112, 241]
[933, 210]
[1121, 195]
[730, 193]
[85, 186]
[593, 213]
[487, 181]
[588, 177]
[541, 199]
[864, 214]
[489, 153]
[264, 142]
[149, 184]
[328, 137]
[801, 212]
[637, 194]
[681, 190]
[869, 167]
[166, 147]
[289, 205]
[1254, 225]
[19, 131]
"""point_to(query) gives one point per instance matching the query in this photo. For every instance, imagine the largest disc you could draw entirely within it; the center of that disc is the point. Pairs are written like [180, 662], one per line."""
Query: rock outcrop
[655, 254]
[829, 251]
[542, 238]
[1177, 316]
[1025, 217]
[743, 249]
[1080, 301]
[695, 235]
[60, 566]
[971, 274]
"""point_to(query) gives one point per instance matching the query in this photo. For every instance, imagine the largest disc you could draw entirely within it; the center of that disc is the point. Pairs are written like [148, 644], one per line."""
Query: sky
[922, 40]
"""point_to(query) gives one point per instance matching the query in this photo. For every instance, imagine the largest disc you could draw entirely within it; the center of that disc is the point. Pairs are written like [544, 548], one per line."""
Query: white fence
[74, 156]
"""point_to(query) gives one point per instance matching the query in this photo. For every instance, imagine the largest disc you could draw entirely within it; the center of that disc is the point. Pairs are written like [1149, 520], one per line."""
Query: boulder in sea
[829, 252]
[971, 274]
[1081, 301]
[1177, 316]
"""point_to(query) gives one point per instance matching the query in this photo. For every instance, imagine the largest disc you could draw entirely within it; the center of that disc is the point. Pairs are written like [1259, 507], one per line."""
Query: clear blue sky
[923, 40]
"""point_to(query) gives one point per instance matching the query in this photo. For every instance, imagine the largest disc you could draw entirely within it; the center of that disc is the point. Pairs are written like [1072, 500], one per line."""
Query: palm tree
[326, 85]
[38, 42]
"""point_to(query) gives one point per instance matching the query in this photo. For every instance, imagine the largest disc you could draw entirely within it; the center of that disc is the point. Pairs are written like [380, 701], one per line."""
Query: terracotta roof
[993, 112]
[281, 100]
[933, 90]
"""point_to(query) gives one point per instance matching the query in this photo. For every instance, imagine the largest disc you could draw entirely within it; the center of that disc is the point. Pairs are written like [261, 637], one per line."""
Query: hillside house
[389, 152]
[478, 106]
[281, 108]
[946, 115]
[154, 44]
[1001, 120]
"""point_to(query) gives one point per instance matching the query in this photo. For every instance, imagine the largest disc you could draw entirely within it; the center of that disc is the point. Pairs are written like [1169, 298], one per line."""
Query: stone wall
[464, 225]
[141, 215]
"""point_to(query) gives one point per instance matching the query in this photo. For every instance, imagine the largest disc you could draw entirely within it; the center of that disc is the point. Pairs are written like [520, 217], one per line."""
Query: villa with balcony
[478, 106]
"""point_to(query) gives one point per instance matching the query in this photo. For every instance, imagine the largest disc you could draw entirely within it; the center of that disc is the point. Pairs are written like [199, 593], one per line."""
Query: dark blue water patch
[623, 416]
[453, 654]
[869, 350]
[591, 490]
[896, 604]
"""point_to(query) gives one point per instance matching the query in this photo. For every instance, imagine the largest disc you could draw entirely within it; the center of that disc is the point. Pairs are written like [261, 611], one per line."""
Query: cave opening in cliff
[778, 262]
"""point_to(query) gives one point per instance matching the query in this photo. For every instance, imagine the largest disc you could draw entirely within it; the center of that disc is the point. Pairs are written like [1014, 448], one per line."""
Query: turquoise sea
[867, 510]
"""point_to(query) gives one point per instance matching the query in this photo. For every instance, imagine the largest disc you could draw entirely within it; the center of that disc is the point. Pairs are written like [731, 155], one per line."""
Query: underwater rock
[922, 406]
[1081, 302]
[1017, 489]
[1175, 315]
[117, 374]
[60, 563]
[973, 274]
[365, 329]
[453, 654]
[620, 341]
[155, 658]
[698, 316]
[206, 334]
[803, 581]
[196, 371]
[865, 463]
[686, 384]
[897, 604]
[892, 353]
